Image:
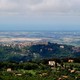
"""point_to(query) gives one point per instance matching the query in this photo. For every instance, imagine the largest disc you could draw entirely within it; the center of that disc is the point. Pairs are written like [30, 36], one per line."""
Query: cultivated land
[70, 38]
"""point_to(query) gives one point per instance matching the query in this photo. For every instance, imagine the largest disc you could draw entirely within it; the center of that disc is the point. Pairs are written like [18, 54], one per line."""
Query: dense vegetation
[52, 50]
[39, 71]
[37, 52]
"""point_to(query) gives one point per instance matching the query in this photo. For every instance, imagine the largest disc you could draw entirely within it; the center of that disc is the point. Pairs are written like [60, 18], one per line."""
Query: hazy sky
[39, 14]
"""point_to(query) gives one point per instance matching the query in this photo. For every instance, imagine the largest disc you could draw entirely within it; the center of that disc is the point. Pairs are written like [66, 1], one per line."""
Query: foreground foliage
[38, 71]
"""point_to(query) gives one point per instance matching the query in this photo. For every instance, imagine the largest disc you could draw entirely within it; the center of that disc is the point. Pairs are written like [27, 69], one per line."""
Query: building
[62, 47]
[9, 69]
[52, 63]
[70, 60]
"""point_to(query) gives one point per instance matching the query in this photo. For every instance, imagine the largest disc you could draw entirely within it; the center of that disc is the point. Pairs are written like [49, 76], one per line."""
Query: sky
[45, 15]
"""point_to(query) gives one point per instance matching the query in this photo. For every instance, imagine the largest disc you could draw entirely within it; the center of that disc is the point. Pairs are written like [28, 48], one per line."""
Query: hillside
[37, 52]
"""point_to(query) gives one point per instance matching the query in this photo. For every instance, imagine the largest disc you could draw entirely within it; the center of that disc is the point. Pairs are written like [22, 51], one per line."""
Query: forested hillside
[37, 52]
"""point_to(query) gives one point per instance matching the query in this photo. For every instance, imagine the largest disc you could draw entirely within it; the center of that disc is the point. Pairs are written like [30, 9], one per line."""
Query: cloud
[57, 6]
[39, 6]
[6, 5]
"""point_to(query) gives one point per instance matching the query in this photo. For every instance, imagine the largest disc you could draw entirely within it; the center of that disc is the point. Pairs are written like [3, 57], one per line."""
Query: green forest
[37, 52]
